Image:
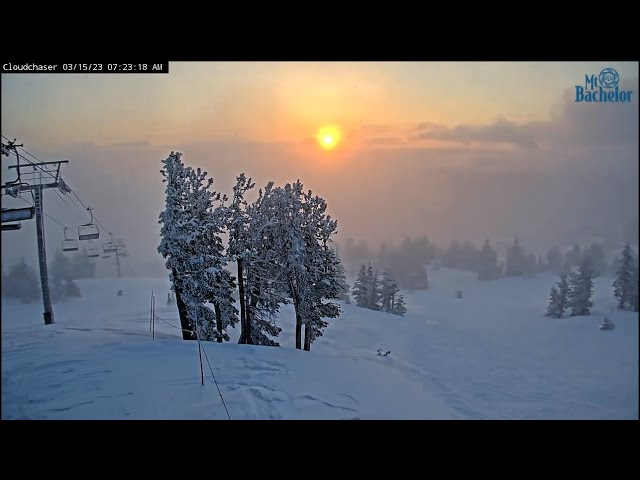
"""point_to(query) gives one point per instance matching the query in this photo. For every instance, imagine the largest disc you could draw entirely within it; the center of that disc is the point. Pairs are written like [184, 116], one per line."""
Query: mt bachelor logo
[603, 88]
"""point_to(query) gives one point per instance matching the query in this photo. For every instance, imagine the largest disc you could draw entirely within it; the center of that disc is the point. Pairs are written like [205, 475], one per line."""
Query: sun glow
[329, 136]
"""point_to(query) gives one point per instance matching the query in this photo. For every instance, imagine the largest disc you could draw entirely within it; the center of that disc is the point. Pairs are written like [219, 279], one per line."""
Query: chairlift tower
[34, 178]
[118, 248]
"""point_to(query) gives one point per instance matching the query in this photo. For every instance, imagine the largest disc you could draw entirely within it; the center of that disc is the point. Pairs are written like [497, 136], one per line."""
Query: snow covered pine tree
[488, 263]
[299, 233]
[63, 285]
[322, 264]
[625, 286]
[373, 289]
[343, 294]
[360, 288]
[193, 249]
[388, 292]
[264, 280]
[581, 288]
[399, 308]
[607, 324]
[552, 309]
[237, 225]
[558, 298]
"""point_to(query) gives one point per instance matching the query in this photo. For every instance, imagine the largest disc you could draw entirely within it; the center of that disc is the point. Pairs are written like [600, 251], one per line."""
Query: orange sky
[282, 102]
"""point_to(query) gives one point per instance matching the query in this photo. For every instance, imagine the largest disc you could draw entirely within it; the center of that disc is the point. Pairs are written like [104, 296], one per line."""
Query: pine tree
[399, 307]
[516, 260]
[408, 273]
[21, 282]
[62, 278]
[237, 224]
[388, 291]
[214, 283]
[597, 256]
[488, 263]
[300, 233]
[607, 324]
[193, 249]
[563, 294]
[581, 288]
[452, 257]
[558, 298]
[373, 290]
[625, 286]
[343, 293]
[174, 233]
[470, 257]
[633, 300]
[322, 267]
[169, 299]
[552, 309]
[360, 288]
[554, 260]
[265, 280]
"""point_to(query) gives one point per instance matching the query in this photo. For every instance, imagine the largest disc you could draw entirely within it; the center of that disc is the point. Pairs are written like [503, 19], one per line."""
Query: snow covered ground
[490, 355]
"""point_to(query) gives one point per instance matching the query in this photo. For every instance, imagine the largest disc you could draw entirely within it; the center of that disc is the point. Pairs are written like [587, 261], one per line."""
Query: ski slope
[490, 355]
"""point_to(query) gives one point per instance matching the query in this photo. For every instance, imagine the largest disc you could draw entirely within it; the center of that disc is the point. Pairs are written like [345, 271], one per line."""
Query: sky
[464, 150]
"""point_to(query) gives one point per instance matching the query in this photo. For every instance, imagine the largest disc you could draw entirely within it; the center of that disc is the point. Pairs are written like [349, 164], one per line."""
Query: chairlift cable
[42, 170]
[45, 214]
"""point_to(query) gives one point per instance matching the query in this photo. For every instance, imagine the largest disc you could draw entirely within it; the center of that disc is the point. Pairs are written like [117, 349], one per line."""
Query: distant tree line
[574, 290]
[408, 261]
[22, 281]
[375, 293]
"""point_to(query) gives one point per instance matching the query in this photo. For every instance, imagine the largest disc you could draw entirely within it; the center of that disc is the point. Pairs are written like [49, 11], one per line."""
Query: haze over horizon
[451, 150]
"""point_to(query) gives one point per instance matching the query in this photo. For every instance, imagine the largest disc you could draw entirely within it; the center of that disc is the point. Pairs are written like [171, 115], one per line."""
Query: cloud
[501, 131]
[430, 126]
[386, 141]
[571, 126]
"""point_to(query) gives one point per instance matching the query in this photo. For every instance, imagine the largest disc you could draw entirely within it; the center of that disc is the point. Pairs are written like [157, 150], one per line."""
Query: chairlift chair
[11, 226]
[88, 231]
[69, 244]
[109, 247]
[93, 253]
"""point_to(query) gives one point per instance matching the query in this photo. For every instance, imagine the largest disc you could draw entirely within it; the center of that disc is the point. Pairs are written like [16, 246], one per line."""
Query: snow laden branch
[192, 223]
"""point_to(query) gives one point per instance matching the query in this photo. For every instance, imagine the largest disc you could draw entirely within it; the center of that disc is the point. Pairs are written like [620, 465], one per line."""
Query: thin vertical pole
[153, 316]
[151, 310]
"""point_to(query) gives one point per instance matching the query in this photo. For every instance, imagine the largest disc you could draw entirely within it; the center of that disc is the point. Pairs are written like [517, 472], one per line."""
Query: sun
[329, 136]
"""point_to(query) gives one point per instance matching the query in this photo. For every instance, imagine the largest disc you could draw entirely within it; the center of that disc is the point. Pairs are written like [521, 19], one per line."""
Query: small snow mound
[607, 324]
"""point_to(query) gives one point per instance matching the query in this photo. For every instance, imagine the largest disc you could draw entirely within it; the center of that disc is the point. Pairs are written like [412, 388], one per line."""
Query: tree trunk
[296, 305]
[307, 337]
[298, 331]
[243, 315]
[182, 311]
[216, 306]
[252, 304]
